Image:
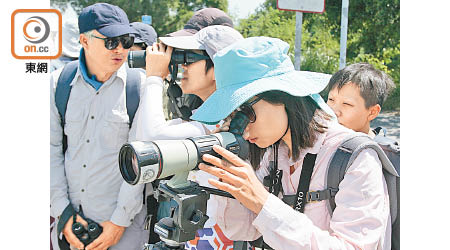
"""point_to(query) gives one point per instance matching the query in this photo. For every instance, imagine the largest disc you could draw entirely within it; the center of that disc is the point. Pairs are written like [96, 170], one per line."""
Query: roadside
[391, 121]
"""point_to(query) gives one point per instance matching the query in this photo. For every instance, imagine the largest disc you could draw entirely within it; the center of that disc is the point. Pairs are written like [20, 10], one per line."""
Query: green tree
[373, 36]
[167, 16]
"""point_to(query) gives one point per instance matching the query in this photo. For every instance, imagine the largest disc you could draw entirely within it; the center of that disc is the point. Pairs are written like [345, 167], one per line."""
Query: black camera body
[89, 234]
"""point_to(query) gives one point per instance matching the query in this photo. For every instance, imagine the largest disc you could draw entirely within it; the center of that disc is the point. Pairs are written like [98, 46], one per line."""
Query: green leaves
[373, 36]
[167, 16]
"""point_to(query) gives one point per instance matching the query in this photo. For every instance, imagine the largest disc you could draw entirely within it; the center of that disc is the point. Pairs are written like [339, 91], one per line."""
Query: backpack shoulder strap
[133, 86]
[63, 88]
[344, 157]
[62, 94]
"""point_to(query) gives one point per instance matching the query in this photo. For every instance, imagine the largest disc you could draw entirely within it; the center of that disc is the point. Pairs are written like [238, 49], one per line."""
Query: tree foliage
[167, 16]
[373, 35]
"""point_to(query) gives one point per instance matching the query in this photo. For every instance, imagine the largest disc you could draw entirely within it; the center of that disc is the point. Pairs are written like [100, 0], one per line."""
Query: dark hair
[305, 118]
[209, 63]
[190, 100]
[374, 85]
[141, 45]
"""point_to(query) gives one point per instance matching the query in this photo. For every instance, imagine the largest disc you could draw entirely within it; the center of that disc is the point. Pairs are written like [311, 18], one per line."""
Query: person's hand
[157, 60]
[70, 236]
[225, 125]
[237, 178]
[110, 236]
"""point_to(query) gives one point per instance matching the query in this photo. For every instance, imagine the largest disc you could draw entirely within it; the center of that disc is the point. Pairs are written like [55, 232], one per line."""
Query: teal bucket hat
[252, 66]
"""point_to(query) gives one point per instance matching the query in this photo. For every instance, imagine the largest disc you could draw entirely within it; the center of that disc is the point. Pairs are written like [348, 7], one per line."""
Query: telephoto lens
[143, 162]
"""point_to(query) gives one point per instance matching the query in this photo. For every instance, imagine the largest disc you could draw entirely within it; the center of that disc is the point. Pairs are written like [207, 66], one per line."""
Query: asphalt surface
[391, 121]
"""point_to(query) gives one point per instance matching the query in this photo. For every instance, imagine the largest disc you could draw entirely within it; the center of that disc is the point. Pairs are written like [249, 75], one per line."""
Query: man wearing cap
[198, 79]
[201, 19]
[85, 179]
[145, 36]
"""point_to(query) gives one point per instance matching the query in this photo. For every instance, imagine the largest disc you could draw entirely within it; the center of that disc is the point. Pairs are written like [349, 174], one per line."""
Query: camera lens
[129, 165]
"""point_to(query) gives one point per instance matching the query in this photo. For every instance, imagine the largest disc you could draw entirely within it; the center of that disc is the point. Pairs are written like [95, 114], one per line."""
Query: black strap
[133, 85]
[302, 190]
[62, 94]
[303, 195]
[305, 179]
[63, 89]
[276, 174]
[152, 211]
[64, 217]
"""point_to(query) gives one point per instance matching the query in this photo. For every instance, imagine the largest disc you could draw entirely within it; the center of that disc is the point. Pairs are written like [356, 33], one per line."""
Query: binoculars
[89, 234]
[136, 59]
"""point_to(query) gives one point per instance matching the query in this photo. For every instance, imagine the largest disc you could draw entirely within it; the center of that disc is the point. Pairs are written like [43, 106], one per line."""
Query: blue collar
[93, 80]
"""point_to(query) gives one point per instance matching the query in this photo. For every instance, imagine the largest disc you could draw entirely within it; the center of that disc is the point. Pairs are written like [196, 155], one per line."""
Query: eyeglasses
[112, 42]
[247, 109]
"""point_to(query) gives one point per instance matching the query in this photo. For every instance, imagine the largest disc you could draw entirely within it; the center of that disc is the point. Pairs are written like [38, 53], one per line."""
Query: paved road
[391, 121]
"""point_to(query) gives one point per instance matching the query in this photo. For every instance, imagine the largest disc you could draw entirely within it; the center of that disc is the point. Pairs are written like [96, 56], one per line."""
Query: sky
[243, 8]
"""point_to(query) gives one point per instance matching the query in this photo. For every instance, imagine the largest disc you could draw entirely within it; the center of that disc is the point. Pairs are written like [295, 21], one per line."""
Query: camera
[86, 236]
[143, 162]
[136, 59]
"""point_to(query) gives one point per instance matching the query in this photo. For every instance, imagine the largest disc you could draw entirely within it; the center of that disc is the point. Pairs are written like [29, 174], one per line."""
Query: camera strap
[64, 217]
[299, 200]
[174, 92]
[275, 174]
[305, 179]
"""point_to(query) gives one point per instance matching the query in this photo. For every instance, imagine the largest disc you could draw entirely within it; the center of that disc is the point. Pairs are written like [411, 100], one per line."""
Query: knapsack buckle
[313, 196]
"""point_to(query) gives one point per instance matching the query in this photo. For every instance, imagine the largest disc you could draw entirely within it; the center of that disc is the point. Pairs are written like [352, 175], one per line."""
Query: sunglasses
[247, 109]
[112, 42]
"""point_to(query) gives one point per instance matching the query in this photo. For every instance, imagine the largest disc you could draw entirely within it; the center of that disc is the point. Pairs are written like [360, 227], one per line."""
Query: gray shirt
[88, 174]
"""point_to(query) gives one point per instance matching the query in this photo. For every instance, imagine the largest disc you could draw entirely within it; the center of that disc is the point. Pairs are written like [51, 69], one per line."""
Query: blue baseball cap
[109, 20]
[252, 66]
[145, 33]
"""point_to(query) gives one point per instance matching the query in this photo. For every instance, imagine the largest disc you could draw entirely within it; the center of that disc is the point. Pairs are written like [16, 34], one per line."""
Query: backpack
[388, 152]
[63, 89]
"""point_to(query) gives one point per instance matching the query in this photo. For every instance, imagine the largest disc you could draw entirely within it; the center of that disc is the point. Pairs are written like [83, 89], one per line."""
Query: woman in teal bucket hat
[291, 133]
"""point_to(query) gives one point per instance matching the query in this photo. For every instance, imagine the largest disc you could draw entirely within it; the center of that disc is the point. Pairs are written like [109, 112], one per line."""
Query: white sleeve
[150, 116]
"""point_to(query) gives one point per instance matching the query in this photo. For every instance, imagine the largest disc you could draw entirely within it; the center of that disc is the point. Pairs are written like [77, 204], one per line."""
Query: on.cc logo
[40, 30]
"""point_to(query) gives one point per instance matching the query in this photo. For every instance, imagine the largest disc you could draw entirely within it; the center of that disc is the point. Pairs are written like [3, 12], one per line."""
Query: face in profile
[350, 108]
[271, 123]
[196, 80]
